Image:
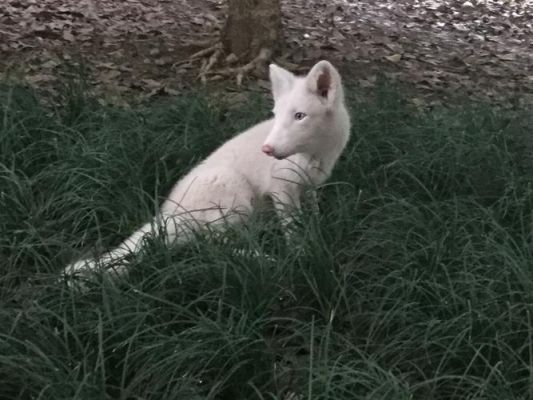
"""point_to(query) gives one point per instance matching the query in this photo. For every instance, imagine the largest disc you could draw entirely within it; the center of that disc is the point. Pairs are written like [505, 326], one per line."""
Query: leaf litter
[135, 49]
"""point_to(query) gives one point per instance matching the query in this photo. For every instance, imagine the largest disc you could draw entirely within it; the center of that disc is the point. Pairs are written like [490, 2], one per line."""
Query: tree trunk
[252, 26]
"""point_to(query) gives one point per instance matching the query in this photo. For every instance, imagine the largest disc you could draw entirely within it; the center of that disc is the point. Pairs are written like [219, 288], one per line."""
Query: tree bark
[252, 26]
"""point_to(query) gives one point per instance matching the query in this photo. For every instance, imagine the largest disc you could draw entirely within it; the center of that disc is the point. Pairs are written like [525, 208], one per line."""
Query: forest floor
[134, 49]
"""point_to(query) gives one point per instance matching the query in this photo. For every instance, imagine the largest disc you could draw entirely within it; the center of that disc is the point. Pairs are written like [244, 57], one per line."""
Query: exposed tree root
[205, 52]
[240, 72]
[213, 56]
[200, 54]
[208, 63]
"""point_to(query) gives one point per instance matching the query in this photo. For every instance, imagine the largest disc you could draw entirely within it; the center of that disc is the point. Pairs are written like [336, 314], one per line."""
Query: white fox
[274, 158]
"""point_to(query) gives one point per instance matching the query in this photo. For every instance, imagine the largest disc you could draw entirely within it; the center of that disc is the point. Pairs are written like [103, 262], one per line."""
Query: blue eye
[299, 116]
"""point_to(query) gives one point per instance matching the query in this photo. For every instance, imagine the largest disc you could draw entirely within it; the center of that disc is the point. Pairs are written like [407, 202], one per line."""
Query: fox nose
[267, 149]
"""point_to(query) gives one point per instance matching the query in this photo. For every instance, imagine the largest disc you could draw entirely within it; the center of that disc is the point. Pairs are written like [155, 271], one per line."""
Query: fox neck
[332, 148]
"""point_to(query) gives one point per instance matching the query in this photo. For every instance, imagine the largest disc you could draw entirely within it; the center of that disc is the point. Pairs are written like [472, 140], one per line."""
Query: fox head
[309, 112]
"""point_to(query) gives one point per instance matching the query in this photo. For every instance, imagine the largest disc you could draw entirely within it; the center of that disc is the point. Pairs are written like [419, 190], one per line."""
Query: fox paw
[81, 267]
[82, 271]
[76, 273]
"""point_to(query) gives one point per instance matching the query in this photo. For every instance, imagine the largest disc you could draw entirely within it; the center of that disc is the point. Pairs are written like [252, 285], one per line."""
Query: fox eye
[299, 116]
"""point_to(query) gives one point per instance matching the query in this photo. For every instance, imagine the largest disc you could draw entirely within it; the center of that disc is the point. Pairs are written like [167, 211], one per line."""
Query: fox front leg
[287, 204]
[314, 201]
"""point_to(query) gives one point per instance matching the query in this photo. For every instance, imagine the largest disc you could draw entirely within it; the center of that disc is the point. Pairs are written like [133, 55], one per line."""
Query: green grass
[415, 281]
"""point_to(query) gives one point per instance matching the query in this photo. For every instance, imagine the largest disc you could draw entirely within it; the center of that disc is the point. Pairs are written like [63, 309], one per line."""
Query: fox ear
[281, 79]
[324, 81]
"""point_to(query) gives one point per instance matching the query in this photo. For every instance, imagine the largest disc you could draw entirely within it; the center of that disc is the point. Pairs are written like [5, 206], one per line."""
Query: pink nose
[267, 149]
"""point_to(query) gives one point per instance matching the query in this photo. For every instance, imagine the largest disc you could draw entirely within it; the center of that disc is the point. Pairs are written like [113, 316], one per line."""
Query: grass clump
[415, 281]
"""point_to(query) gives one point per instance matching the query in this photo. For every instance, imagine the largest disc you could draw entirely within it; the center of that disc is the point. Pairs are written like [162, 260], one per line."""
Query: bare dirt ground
[134, 49]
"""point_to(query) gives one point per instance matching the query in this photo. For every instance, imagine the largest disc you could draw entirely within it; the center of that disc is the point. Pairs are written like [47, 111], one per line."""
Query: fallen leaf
[68, 36]
[40, 78]
[170, 91]
[507, 57]
[164, 61]
[152, 84]
[110, 75]
[50, 64]
[394, 58]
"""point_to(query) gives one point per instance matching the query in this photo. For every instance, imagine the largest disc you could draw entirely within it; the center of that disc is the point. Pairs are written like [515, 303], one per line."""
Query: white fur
[232, 181]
